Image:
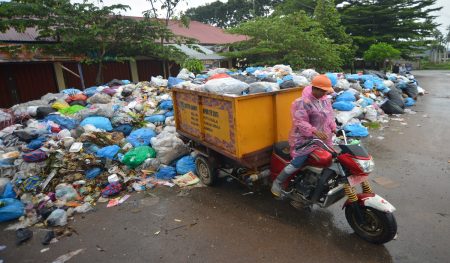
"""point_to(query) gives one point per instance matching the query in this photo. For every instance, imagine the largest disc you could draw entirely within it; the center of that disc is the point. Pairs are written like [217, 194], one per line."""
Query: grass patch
[372, 125]
[429, 65]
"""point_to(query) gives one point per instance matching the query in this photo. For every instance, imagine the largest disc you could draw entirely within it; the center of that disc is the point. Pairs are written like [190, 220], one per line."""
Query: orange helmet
[322, 82]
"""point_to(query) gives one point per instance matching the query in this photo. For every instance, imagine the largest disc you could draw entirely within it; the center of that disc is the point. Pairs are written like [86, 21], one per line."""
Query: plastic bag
[34, 156]
[90, 91]
[185, 75]
[8, 191]
[71, 91]
[137, 156]
[108, 152]
[226, 86]
[71, 110]
[155, 118]
[93, 173]
[309, 74]
[99, 98]
[262, 86]
[166, 173]
[84, 208]
[112, 189]
[346, 96]
[409, 102]
[65, 192]
[124, 128]
[65, 123]
[36, 143]
[344, 117]
[333, 78]
[42, 112]
[166, 105]
[343, 105]
[98, 122]
[174, 81]
[141, 137]
[185, 164]
[59, 105]
[356, 130]
[168, 147]
[371, 114]
[300, 80]
[395, 96]
[343, 84]
[76, 97]
[10, 208]
[158, 81]
[57, 218]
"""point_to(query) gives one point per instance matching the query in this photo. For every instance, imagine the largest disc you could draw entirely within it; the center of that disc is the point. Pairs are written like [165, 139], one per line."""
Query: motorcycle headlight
[366, 165]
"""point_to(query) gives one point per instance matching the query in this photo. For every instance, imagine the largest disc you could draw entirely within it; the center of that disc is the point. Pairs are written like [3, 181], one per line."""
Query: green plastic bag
[137, 156]
[71, 110]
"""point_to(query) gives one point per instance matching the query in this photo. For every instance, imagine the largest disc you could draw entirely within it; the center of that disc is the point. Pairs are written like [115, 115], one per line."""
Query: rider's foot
[276, 189]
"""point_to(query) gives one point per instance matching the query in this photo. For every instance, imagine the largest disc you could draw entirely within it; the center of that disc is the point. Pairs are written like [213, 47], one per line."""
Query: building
[28, 75]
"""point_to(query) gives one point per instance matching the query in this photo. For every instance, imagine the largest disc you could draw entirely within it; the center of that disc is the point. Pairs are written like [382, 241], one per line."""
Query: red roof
[204, 33]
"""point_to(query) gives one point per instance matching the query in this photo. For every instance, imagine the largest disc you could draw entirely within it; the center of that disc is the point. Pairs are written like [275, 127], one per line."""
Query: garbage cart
[234, 134]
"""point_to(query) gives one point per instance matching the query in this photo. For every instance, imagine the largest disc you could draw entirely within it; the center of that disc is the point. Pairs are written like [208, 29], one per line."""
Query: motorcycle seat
[282, 149]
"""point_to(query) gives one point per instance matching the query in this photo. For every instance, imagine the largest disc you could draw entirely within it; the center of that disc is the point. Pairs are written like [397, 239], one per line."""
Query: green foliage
[293, 39]
[193, 65]
[380, 52]
[292, 6]
[94, 34]
[405, 24]
[232, 12]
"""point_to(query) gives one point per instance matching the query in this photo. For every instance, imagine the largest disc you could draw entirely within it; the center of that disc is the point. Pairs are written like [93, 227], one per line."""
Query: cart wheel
[206, 170]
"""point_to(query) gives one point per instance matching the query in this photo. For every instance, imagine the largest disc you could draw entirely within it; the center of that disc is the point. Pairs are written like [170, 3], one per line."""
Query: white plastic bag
[309, 74]
[168, 147]
[185, 75]
[345, 116]
[370, 114]
[57, 218]
[158, 81]
[300, 80]
[226, 86]
[343, 84]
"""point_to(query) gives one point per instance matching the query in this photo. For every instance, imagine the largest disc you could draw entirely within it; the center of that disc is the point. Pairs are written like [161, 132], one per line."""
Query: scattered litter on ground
[45, 250]
[68, 256]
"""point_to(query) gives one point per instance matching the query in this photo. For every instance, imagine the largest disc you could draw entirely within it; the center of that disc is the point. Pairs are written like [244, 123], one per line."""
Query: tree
[330, 21]
[438, 47]
[293, 39]
[168, 7]
[232, 12]
[95, 34]
[381, 52]
[405, 24]
[292, 6]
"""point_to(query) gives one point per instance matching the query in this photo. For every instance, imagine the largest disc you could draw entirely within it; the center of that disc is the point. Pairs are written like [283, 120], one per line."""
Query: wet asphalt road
[224, 224]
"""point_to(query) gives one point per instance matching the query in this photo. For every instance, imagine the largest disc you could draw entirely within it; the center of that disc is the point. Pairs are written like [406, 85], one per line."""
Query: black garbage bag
[390, 107]
[22, 235]
[411, 90]
[42, 112]
[246, 79]
[375, 73]
[395, 96]
[288, 84]
[25, 135]
[269, 79]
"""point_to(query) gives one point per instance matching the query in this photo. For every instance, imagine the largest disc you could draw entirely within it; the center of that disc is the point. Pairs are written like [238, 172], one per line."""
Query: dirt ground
[227, 223]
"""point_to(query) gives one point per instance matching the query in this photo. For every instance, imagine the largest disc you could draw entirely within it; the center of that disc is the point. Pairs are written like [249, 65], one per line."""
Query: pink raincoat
[310, 114]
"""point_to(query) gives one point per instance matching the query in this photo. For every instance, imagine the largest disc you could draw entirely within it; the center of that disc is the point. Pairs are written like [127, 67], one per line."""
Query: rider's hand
[321, 135]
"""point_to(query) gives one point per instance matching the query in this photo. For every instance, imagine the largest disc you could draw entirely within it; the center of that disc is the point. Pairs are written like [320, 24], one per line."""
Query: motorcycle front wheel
[378, 227]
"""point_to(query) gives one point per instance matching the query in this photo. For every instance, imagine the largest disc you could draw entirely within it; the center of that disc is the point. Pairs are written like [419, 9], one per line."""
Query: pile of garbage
[358, 99]
[63, 153]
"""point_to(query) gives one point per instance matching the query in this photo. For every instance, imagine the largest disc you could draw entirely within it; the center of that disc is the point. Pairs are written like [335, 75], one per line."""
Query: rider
[312, 116]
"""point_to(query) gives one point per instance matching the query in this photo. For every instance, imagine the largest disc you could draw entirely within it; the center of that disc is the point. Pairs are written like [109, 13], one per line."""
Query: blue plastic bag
[343, 105]
[108, 152]
[90, 91]
[98, 122]
[71, 91]
[8, 191]
[10, 209]
[333, 78]
[166, 173]
[124, 128]
[173, 81]
[402, 85]
[368, 84]
[356, 130]
[92, 173]
[141, 137]
[65, 123]
[409, 102]
[31, 183]
[287, 77]
[168, 114]
[36, 143]
[186, 164]
[250, 70]
[155, 118]
[166, 105]
[366, 102]
[346, 96]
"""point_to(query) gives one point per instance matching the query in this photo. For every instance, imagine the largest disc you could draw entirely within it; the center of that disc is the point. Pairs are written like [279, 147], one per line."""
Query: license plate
[356, 179]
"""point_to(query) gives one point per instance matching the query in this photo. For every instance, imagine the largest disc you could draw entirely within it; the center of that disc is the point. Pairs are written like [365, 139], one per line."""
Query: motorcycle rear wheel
[379, 227]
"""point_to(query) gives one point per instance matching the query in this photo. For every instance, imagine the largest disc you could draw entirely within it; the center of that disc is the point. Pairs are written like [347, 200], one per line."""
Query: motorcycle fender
[375, 201]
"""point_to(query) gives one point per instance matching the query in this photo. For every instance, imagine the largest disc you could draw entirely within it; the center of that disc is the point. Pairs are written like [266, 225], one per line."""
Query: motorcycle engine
[306, 183]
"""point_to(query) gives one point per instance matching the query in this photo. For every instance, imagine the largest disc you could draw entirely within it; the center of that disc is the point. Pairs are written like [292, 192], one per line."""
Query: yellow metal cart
[233, 131]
